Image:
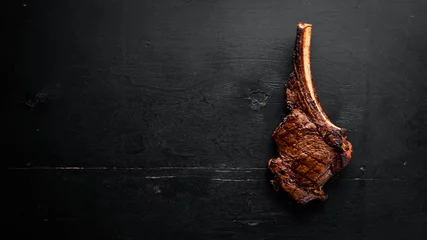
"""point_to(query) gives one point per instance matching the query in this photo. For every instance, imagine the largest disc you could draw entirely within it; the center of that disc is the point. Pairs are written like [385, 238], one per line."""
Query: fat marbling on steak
[311, 148]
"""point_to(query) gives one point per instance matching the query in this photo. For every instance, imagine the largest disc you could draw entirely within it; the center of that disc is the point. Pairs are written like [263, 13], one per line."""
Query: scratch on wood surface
[251, 223]
[228, 171]
[214, 169]
[159, 177]
[209, 168]
[138, 168]
[235, 60]
[157, 189]
[48, 93]
[374, 179]
[59, 168]
[234, 180]
[223, 171]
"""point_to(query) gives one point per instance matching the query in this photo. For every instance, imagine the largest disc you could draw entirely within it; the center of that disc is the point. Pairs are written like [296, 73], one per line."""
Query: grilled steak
[311, 148]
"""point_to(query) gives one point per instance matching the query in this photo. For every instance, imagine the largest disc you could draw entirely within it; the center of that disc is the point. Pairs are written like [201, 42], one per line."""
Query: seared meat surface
[311, 148]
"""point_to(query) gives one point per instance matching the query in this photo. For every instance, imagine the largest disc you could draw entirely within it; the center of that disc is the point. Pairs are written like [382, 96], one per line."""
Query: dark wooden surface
[152, 119]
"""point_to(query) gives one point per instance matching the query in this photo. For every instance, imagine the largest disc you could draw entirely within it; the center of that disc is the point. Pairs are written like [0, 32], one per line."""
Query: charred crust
[289, 105]
[313, 103]
[344, 132]
[333, 138]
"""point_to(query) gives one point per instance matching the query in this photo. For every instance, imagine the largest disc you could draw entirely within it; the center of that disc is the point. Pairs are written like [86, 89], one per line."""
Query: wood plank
[208, 204]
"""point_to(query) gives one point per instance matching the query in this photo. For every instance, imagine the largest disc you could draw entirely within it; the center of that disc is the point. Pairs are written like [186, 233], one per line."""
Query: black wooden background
[131, 119]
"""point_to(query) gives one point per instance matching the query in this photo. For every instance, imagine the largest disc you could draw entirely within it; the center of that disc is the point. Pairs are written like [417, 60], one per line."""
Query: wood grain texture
[164, 113]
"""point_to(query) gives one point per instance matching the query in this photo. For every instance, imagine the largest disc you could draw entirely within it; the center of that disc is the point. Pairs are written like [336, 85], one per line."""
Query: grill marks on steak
[311, 148]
